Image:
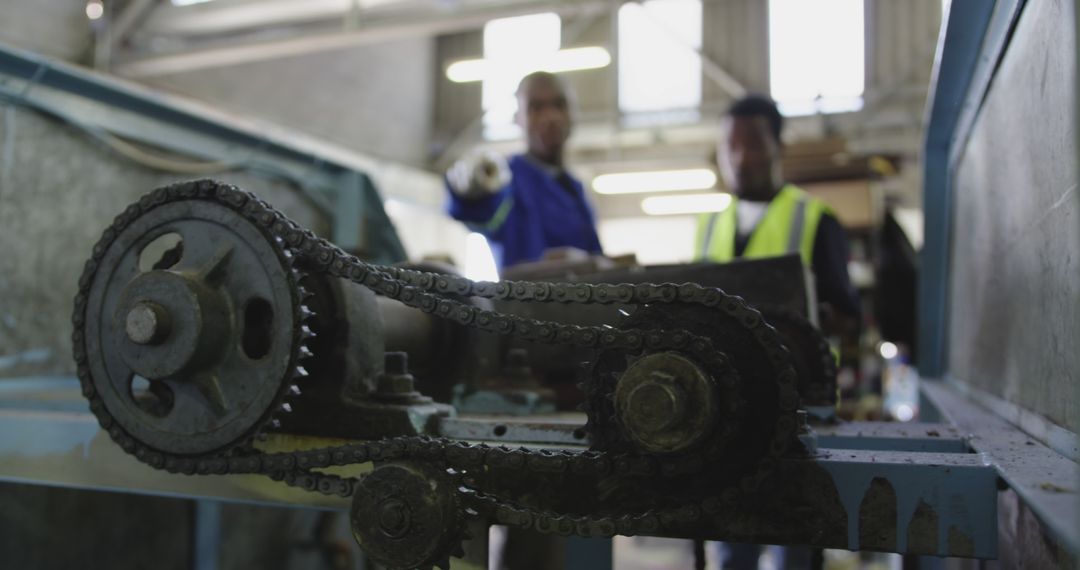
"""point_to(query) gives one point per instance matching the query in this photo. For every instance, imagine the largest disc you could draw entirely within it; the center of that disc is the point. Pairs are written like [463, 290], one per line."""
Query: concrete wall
[59, 190]
[375, 99]
[1015, 283]
[57, 28]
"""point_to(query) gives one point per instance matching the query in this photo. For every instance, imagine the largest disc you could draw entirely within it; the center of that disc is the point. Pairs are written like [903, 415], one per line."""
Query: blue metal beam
[892, 436]
[960, 488]
[1045, 480]
[959, 48]
[207, 535]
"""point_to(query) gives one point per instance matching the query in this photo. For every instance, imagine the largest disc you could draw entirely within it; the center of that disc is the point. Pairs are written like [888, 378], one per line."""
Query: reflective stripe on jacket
[788, 225]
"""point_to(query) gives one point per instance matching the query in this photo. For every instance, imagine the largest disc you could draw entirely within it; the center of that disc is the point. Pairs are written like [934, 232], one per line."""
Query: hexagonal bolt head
[395, 378]
[394, 518]
[657, 404]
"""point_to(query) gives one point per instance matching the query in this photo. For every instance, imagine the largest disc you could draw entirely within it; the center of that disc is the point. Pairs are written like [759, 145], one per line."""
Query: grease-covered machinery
[206, 319]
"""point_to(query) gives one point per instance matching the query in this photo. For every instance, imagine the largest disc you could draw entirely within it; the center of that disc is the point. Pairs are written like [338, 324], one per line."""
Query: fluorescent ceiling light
[574, 59]
[468, 70]
[686, 204]
[654, 181]
[187, 2]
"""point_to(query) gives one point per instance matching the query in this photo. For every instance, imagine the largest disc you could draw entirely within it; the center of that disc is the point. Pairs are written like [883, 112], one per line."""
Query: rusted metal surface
[1045, 481]
[809, 502]
[940, 504]
[892, 436]
[406, 515]
[665, 403]
[562, 429]
[517, 391]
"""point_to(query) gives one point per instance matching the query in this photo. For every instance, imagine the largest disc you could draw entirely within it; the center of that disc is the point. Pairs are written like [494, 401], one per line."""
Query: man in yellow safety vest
[767, 217]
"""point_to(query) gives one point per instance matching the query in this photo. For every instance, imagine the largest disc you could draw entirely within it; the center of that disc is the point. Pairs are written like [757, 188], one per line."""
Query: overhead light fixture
[654, 181]
[467, 70]
[573, 59]
[95, 9]
[188, 2]
[686, 204]
[576, 59]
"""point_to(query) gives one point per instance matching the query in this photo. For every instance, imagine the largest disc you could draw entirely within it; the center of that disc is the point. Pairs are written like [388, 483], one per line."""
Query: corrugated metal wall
[1015, 275]
[57, 28]
[363, 98]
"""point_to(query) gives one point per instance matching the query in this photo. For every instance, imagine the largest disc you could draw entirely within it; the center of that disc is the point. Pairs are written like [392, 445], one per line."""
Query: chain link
[431, 293]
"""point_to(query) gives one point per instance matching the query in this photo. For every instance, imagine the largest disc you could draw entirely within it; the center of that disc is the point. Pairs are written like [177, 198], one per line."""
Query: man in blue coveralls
[530, 204]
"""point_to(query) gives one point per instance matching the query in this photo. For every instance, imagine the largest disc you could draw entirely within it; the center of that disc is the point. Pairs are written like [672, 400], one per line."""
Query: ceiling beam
[133, 15]
[370, 30]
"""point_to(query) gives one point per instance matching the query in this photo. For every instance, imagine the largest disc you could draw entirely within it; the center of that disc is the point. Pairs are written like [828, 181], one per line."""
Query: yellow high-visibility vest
[789, 225]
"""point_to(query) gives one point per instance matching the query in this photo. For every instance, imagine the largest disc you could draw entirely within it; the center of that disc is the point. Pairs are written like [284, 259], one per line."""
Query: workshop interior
[487, 284]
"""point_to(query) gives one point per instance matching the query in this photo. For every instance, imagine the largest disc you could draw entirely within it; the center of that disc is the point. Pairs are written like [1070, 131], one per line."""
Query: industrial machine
[206, 320]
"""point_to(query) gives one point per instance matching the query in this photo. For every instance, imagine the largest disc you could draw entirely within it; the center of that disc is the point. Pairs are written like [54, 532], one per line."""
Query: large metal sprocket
[228, 307]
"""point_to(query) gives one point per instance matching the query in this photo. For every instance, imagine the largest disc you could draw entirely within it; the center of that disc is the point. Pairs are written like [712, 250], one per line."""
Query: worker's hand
[481, 174]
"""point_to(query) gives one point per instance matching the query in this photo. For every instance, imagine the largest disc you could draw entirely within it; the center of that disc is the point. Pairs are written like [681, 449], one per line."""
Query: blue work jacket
[536, 211]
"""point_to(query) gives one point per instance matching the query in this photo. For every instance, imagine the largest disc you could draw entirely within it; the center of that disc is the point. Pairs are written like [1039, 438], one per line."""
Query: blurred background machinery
[348, 141]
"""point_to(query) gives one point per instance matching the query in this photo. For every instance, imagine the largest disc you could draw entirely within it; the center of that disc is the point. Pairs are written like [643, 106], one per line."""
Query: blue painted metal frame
[974, 38]
[47, 437]
[207, 534]
[959, 47]
[892, 436]
[960, 487]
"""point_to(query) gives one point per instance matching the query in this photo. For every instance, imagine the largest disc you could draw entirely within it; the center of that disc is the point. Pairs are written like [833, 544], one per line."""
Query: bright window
[659, 65]
[816, 55]
[513, 47]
